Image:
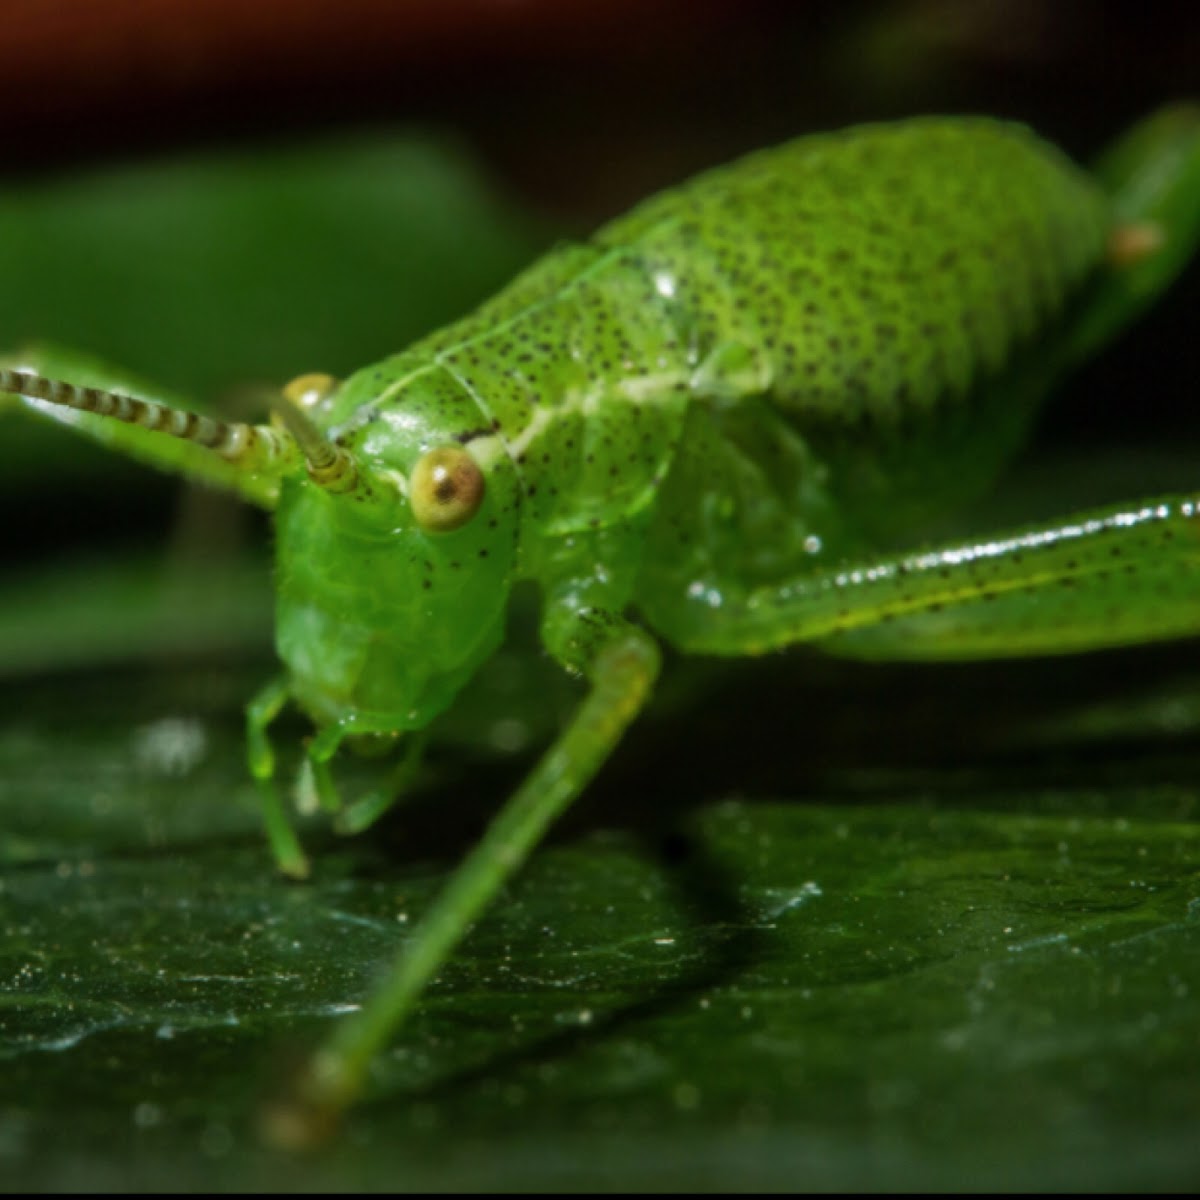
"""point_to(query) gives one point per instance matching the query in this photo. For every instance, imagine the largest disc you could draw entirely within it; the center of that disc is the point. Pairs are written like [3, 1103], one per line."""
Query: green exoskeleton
[710, 425]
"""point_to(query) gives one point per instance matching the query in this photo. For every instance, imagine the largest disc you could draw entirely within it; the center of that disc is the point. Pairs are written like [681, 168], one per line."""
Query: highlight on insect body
[708, 426]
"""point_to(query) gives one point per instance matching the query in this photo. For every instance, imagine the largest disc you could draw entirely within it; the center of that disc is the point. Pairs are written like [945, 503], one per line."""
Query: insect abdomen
[877, 271]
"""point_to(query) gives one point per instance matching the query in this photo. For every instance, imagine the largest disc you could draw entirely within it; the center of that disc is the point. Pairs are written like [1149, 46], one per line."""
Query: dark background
[583, 106]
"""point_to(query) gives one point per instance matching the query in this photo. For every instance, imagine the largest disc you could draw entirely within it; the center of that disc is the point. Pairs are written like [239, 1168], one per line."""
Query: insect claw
[1133, 242]
[296, 1126]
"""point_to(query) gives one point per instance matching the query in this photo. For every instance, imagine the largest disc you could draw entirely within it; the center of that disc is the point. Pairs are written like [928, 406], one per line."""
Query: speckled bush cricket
[698, 426]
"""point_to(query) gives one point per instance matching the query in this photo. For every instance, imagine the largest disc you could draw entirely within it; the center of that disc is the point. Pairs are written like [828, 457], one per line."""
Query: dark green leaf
[907, 981]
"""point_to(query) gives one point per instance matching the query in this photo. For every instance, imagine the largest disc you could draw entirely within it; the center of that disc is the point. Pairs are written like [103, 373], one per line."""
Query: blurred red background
[584, 104]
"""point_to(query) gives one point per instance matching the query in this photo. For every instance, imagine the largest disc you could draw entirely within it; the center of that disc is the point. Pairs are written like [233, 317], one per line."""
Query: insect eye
[307, 391]
[445, 489]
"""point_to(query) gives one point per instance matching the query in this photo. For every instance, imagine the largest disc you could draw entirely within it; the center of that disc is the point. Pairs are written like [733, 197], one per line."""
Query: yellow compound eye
[307, 391]
[445, 489]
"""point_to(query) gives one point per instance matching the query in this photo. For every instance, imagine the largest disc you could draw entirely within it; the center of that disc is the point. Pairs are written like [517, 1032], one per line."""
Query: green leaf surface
[909, 979]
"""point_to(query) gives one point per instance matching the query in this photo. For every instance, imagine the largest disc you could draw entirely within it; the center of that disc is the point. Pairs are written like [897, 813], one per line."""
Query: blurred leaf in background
[222, 269]
[216, 272]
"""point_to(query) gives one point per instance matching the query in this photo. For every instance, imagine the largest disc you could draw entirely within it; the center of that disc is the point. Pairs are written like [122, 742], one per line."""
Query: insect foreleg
[260, 712]
[621, 670]
[1111, 576]
[317, 779]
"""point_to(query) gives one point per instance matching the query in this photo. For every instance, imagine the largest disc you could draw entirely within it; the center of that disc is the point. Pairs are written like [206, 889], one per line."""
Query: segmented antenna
[329, 466]
[256, 447]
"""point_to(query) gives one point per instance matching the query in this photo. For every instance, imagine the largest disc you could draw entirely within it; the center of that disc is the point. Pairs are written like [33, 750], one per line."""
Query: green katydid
[707, 425]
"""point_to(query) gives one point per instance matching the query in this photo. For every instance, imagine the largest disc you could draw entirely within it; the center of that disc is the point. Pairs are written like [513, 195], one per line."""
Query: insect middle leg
[1105, 577]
